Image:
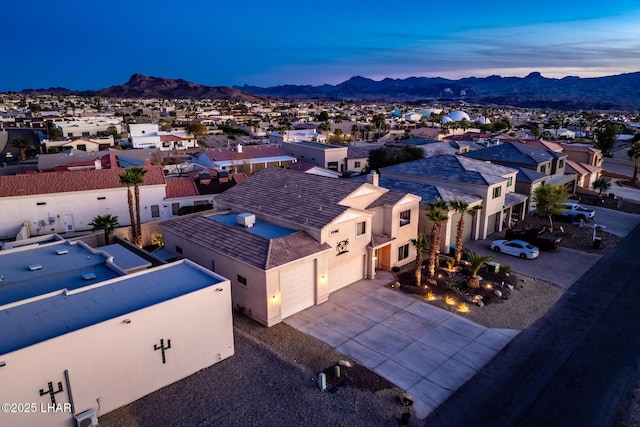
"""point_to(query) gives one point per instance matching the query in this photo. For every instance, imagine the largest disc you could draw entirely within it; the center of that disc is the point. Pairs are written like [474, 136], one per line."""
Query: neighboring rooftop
[30, 272]
[451, 167]
[514, 153]
[61, 314]
[124, 259]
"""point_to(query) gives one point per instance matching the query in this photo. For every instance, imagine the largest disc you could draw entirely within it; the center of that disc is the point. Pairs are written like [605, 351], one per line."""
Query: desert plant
[462, 207]
[601, 185]
[549, 201]
[476, 262]
[437, 213]
[504, 270]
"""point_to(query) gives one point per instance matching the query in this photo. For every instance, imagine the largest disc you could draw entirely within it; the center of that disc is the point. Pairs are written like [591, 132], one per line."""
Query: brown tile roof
[248, 152]
[64, 182]
[181, 187]
[298, 198]
[242, 245]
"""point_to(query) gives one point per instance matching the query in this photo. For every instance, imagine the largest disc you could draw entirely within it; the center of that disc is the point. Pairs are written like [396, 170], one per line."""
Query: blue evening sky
[86, 44]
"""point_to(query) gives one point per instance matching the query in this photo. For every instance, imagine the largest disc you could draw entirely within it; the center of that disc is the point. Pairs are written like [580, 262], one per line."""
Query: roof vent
[62, 251]
[34, 267]
[246, 219]
[88, 276]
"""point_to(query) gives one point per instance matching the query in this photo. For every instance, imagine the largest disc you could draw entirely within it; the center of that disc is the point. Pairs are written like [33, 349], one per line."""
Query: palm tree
[462, 207]
[634, 153]
[601, 184]
[134, 177]
[138, 174]
[23, 145]
[421, 244]
[477, 261]
[107, 223]
[436, 213]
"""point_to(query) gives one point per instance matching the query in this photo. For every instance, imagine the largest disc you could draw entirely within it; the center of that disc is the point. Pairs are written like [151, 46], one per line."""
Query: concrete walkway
[427, 351]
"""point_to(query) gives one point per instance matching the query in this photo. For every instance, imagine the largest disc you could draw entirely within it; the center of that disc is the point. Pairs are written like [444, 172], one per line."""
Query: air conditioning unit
[246, 219]
[87, 418]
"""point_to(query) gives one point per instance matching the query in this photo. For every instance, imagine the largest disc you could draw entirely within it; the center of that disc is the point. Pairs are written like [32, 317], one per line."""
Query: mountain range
[618, 92]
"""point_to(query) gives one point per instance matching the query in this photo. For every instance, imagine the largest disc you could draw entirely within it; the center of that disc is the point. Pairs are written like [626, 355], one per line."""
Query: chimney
[373, 178]
[97, 163]
[239, 148]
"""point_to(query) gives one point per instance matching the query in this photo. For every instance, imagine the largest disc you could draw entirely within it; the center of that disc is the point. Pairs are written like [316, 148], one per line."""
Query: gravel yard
[269, 381]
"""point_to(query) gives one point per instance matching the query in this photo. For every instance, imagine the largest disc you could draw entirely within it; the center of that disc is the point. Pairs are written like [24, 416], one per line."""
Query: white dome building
[457, 116]
[482, 120]
[446, 119]
[427, 112]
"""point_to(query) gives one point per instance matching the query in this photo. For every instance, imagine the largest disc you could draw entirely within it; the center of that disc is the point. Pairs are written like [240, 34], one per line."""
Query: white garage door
[345, 274]
[297, 289]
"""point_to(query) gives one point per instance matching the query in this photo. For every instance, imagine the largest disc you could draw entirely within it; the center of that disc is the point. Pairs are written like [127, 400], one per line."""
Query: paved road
[573, 367]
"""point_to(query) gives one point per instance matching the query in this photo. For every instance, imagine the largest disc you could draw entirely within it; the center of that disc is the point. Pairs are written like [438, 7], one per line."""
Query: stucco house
[287, 239]
[82, 337]
[63, 202]
[328, 156]
[494, 184]
[244, 158]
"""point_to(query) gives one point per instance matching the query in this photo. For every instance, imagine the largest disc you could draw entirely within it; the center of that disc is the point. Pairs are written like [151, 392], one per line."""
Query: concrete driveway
[562, 267]
[427, 351]
[618, 223]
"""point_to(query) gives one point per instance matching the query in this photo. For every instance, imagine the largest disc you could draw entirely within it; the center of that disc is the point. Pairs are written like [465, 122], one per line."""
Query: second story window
[510, 181]
[561, 164]
[543, 169]
[405, 217]
[497, 192]
[241, 280]
[361, 228]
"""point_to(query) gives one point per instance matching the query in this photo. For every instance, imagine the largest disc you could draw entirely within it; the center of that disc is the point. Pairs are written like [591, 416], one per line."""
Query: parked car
[576, 212]
[536, 236]
[516, 247]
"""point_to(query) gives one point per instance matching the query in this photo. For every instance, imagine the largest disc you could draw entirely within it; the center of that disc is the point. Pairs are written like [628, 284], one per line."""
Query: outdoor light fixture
[2, 363]
[127, 321]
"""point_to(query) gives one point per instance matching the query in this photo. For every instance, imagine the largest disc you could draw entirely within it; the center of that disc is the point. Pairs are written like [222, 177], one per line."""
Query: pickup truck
[536, 236]
[575, 212]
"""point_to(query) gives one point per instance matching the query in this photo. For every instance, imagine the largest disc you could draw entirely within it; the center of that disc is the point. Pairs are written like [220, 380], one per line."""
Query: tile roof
[529, 175]
[429, 193]
[451, 167]
[291, 196]
[514, 153]
[181, 187]
[63, 182]
[248, 152]
[239, 244]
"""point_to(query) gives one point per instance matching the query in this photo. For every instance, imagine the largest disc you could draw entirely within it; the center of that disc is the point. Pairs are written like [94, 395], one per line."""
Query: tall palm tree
[138, 178]
[22, 144]
[127, 179]
[107, 223]
[421, 244]
[437, 214]
[462, 207]
[601, 185]
[634, 153]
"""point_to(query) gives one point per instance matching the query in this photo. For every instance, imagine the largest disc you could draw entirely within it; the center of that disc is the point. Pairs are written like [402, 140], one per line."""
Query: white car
[516, 248]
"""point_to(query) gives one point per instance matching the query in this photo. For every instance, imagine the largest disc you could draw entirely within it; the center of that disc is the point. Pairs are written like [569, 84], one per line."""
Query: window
[335, 231]
[213, 266]
[179, 250]
[357, 164]
[361, 228]
[41, 203]
[403, 252]
[497, 192]
[241, 280]
[561, 164]
[102, 198]
[333, 166]
[155, 211]
[510, 181]
[405, 217]
[175, 208]
[543, 169]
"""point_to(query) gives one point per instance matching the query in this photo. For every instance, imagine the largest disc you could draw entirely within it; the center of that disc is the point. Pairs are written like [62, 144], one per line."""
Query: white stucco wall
[115, 362]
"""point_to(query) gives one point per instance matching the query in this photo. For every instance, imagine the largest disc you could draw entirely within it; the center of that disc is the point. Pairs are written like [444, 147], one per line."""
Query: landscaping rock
[497, 293]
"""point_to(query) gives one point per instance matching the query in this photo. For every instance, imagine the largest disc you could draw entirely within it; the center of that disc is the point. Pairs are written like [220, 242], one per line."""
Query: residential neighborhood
[156, 232]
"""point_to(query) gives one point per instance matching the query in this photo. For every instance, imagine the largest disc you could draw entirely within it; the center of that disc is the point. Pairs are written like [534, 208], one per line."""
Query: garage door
[345, 274]
[297, 289]
[491, 223]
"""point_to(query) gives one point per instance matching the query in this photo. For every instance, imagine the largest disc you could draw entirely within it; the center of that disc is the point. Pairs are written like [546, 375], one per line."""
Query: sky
[86, 44]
